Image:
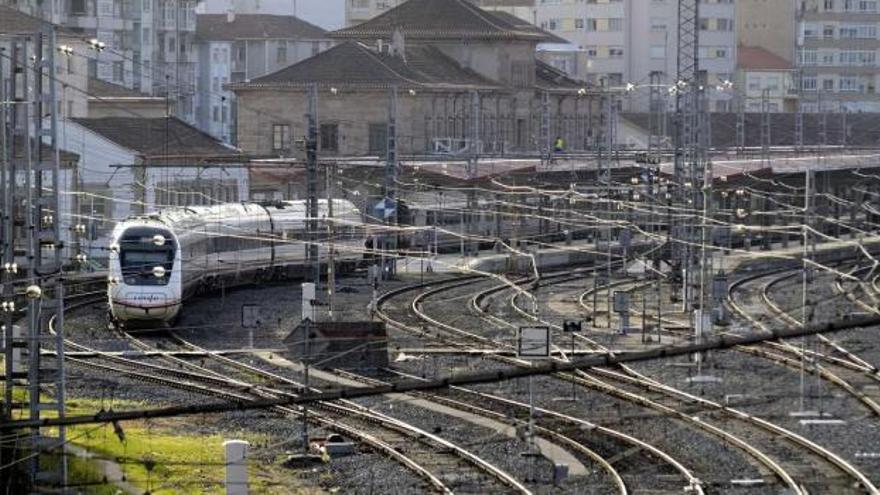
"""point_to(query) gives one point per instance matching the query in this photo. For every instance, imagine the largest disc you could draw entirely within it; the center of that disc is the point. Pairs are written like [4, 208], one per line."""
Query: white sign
[308, 299]
[533, 342]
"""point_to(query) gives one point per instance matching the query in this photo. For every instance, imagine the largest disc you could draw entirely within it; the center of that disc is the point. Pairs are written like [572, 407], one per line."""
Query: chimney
[398, 45]
[230, 11]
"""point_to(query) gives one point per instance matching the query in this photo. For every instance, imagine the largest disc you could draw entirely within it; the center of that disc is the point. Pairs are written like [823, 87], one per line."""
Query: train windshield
[146, 256]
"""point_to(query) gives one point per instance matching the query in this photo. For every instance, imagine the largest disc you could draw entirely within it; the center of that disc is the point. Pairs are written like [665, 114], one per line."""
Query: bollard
[236, 467]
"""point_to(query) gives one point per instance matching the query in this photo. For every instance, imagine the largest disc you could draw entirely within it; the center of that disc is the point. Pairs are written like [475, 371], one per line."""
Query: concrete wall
[769, 25]
[512, 119]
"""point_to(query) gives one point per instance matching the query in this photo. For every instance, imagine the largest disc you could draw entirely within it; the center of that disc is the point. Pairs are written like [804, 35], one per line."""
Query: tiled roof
[528, 26]
[216, 27]
[14, 21]
[548, 77]
[756, 58]
[103, 89]
[443, 19]
[147, 136]
[353, 64]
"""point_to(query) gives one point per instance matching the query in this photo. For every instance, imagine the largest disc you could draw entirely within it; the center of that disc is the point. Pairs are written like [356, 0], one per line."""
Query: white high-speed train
[158, 260]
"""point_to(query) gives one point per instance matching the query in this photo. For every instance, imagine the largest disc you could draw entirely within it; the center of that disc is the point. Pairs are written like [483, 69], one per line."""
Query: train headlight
[159, 240]
[112, 280]
[11, 267]
[34, 292]
[159, 271]
[114, 247]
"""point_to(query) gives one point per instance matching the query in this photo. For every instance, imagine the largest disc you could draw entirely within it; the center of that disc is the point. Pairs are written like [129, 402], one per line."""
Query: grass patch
[164, 457]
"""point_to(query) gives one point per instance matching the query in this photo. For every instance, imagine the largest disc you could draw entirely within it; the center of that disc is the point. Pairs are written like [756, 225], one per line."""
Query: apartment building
[146, 45]
[235, 48]
[71, 72]
[625, 41]
[358, 11]
[837, 43]
[768, 24]
[765, 79]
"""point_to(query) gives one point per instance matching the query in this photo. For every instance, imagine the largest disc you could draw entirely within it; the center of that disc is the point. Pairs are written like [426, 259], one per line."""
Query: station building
[467, 80]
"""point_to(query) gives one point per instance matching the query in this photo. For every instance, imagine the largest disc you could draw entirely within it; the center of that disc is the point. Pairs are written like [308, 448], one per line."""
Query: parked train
[158, 260]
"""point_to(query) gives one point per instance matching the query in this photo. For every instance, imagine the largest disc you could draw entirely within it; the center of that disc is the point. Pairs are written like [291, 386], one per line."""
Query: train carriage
[159, 260]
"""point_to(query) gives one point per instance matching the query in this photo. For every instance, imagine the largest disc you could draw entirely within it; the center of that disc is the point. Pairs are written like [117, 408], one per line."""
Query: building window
[215, 113]
[224, 114]
[330, 137]
[378, 139]
[281, 53]
[78, 7]
[754, 83]
[280, 137]
[808, 84]
[828, 84]
[849, 84]
[118, 70]
[578, 23]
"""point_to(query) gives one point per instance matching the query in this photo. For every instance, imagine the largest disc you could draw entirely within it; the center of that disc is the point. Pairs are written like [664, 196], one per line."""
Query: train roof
[177, 216]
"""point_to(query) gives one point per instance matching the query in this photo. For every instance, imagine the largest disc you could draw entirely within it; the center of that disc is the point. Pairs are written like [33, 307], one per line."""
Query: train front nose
[144, 306]
[148, 288]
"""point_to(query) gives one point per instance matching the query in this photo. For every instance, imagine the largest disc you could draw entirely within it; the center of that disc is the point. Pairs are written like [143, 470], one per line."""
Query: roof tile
[147, 136]
[443, 19]
[216, 27]
[354, 64]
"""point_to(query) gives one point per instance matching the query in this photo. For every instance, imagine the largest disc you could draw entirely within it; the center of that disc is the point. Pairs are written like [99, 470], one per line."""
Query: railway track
[847, 376]
[442, 465]
[760, 437]
[417, 314]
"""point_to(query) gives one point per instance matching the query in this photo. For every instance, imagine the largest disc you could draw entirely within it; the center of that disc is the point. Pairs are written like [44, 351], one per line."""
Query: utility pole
[765, 128]
[29, 127]
[312, 185]
[476, 145]
[741, 124]
[544, 144]
[805, 282]
[799, 115]
[389, 191]
[657, 106]
[329, 176]
[692, 170]
[606, 148]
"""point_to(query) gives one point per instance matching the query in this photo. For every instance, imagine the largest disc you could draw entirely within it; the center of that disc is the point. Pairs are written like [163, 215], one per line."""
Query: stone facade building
[467, 81]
